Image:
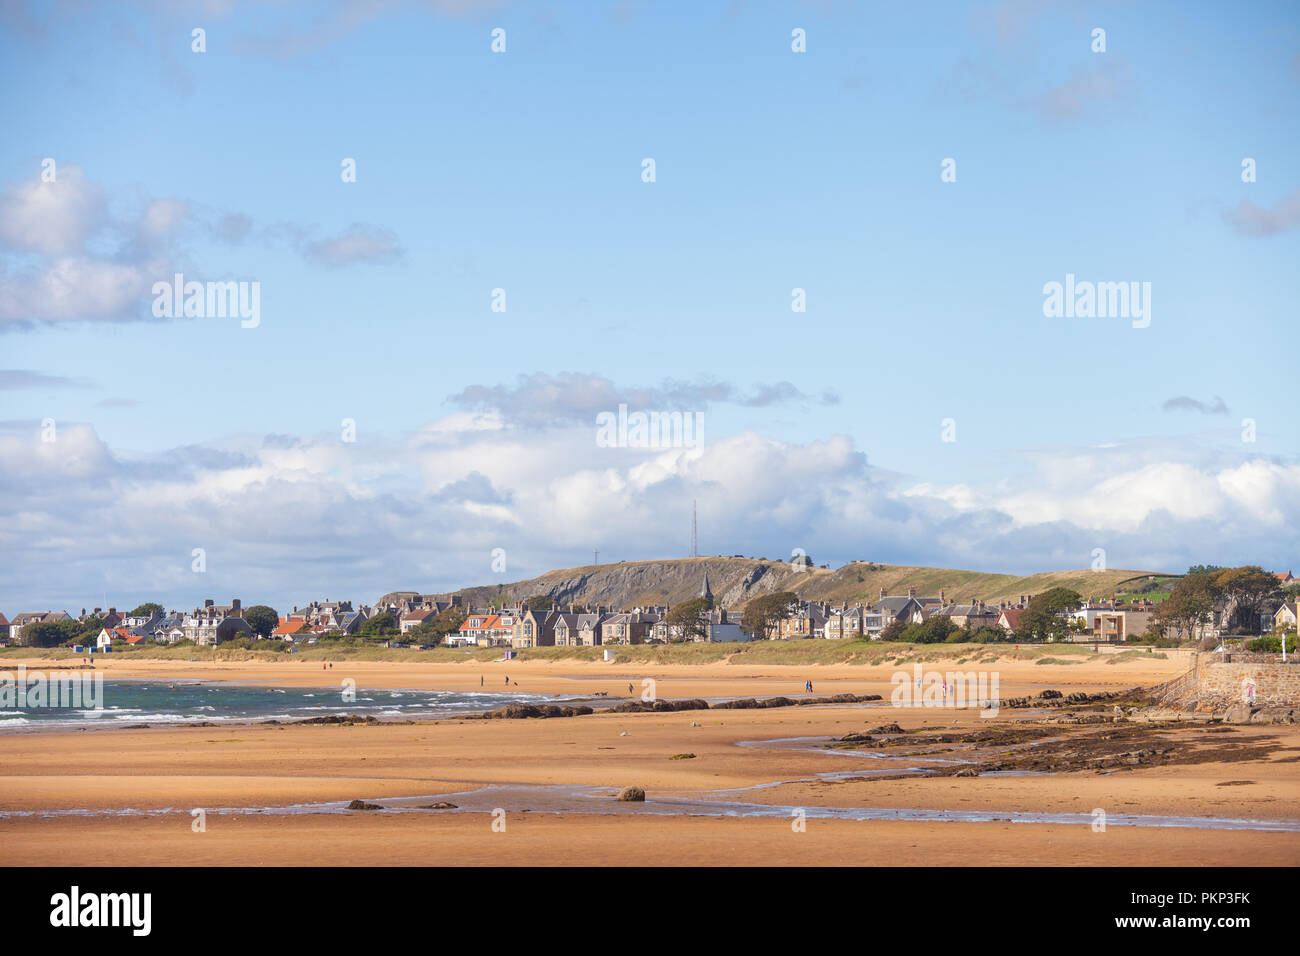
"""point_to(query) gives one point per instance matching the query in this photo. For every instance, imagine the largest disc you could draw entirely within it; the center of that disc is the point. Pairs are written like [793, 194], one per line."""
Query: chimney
[112, 610]
[942, 602]
[882, 594]
[234, 604]
[911, 592]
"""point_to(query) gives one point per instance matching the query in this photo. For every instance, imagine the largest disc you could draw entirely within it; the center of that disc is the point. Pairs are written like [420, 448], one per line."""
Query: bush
[1271, 644]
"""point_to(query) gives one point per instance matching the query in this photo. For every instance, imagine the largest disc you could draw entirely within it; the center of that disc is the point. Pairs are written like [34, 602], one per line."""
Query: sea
[126, 702]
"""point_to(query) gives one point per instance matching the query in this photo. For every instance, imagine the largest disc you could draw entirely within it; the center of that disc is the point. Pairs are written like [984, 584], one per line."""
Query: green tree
[439, 626]
[689, 616]
[936, 630]
[1243, 594]
[1190, 605]
[1047, 616]
[763, 614]
[87, 630]
[261, 619]
[449, 621]
[147, 609]
[893, 631]
[52, 633]
[379, 627]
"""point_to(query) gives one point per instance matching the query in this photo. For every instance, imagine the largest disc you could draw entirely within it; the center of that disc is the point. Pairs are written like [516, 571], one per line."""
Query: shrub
[1271, 644]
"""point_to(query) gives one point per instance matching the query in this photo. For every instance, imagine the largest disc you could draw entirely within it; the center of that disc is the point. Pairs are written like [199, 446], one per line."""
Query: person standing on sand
[480, 680]
[630, 691]
[507, 680]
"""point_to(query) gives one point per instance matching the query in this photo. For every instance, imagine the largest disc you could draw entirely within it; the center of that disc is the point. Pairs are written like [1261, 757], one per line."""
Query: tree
[51, 633]
[379, 627]
[936, 630]
[1189, 606]
[261, 619]
[539, 602]
[148, 609]
[449, 621]
[763, 614]
[1243, 594]
[439, 626]
[893, 631]
[88, 629]
[1047, 616]
[689, 619]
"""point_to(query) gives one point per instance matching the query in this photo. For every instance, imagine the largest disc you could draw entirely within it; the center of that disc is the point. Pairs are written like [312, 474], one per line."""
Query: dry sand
[257, 765]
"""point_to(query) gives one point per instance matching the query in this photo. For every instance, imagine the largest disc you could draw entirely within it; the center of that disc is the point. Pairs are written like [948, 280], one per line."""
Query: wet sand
[531, 768]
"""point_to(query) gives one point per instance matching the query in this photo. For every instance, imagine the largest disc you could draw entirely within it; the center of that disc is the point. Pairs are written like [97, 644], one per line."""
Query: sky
[415, 406]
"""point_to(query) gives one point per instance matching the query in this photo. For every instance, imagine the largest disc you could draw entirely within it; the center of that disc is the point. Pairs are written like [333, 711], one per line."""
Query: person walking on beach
[507, 680]
[630, 691]
[480, 680]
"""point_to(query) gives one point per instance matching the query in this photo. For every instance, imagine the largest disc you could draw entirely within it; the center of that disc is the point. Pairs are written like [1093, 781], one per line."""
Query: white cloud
[283, 520]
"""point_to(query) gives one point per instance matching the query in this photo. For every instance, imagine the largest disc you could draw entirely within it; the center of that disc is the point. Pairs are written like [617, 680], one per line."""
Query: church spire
[705, 592]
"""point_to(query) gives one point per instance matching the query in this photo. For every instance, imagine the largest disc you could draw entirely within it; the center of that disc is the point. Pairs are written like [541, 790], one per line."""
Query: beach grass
[799, 652]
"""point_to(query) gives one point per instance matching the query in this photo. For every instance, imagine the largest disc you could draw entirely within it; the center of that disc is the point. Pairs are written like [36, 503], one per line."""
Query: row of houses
[522, 627]
[210, 624]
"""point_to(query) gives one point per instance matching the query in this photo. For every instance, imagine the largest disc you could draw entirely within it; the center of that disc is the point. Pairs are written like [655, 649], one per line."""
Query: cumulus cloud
[69, 255]
[53, 218]
[284, 518]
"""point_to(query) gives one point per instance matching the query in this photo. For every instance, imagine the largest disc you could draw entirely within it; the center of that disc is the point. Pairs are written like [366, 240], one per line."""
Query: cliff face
[734, 581]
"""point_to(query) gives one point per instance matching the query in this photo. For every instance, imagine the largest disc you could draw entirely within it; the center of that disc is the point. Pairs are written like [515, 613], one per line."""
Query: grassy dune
[757, 653]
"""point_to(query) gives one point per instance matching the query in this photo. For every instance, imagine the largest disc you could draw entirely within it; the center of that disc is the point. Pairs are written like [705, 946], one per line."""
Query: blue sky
[522, 171]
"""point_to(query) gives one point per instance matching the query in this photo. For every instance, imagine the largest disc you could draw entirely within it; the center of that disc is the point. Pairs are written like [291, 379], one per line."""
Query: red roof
[485, 622]
[289, 627]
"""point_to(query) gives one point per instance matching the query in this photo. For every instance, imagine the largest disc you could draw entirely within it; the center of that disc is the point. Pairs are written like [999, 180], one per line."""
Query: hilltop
[736, 580]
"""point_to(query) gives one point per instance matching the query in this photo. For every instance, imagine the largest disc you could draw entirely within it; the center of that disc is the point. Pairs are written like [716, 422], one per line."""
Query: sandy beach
[273, 793]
